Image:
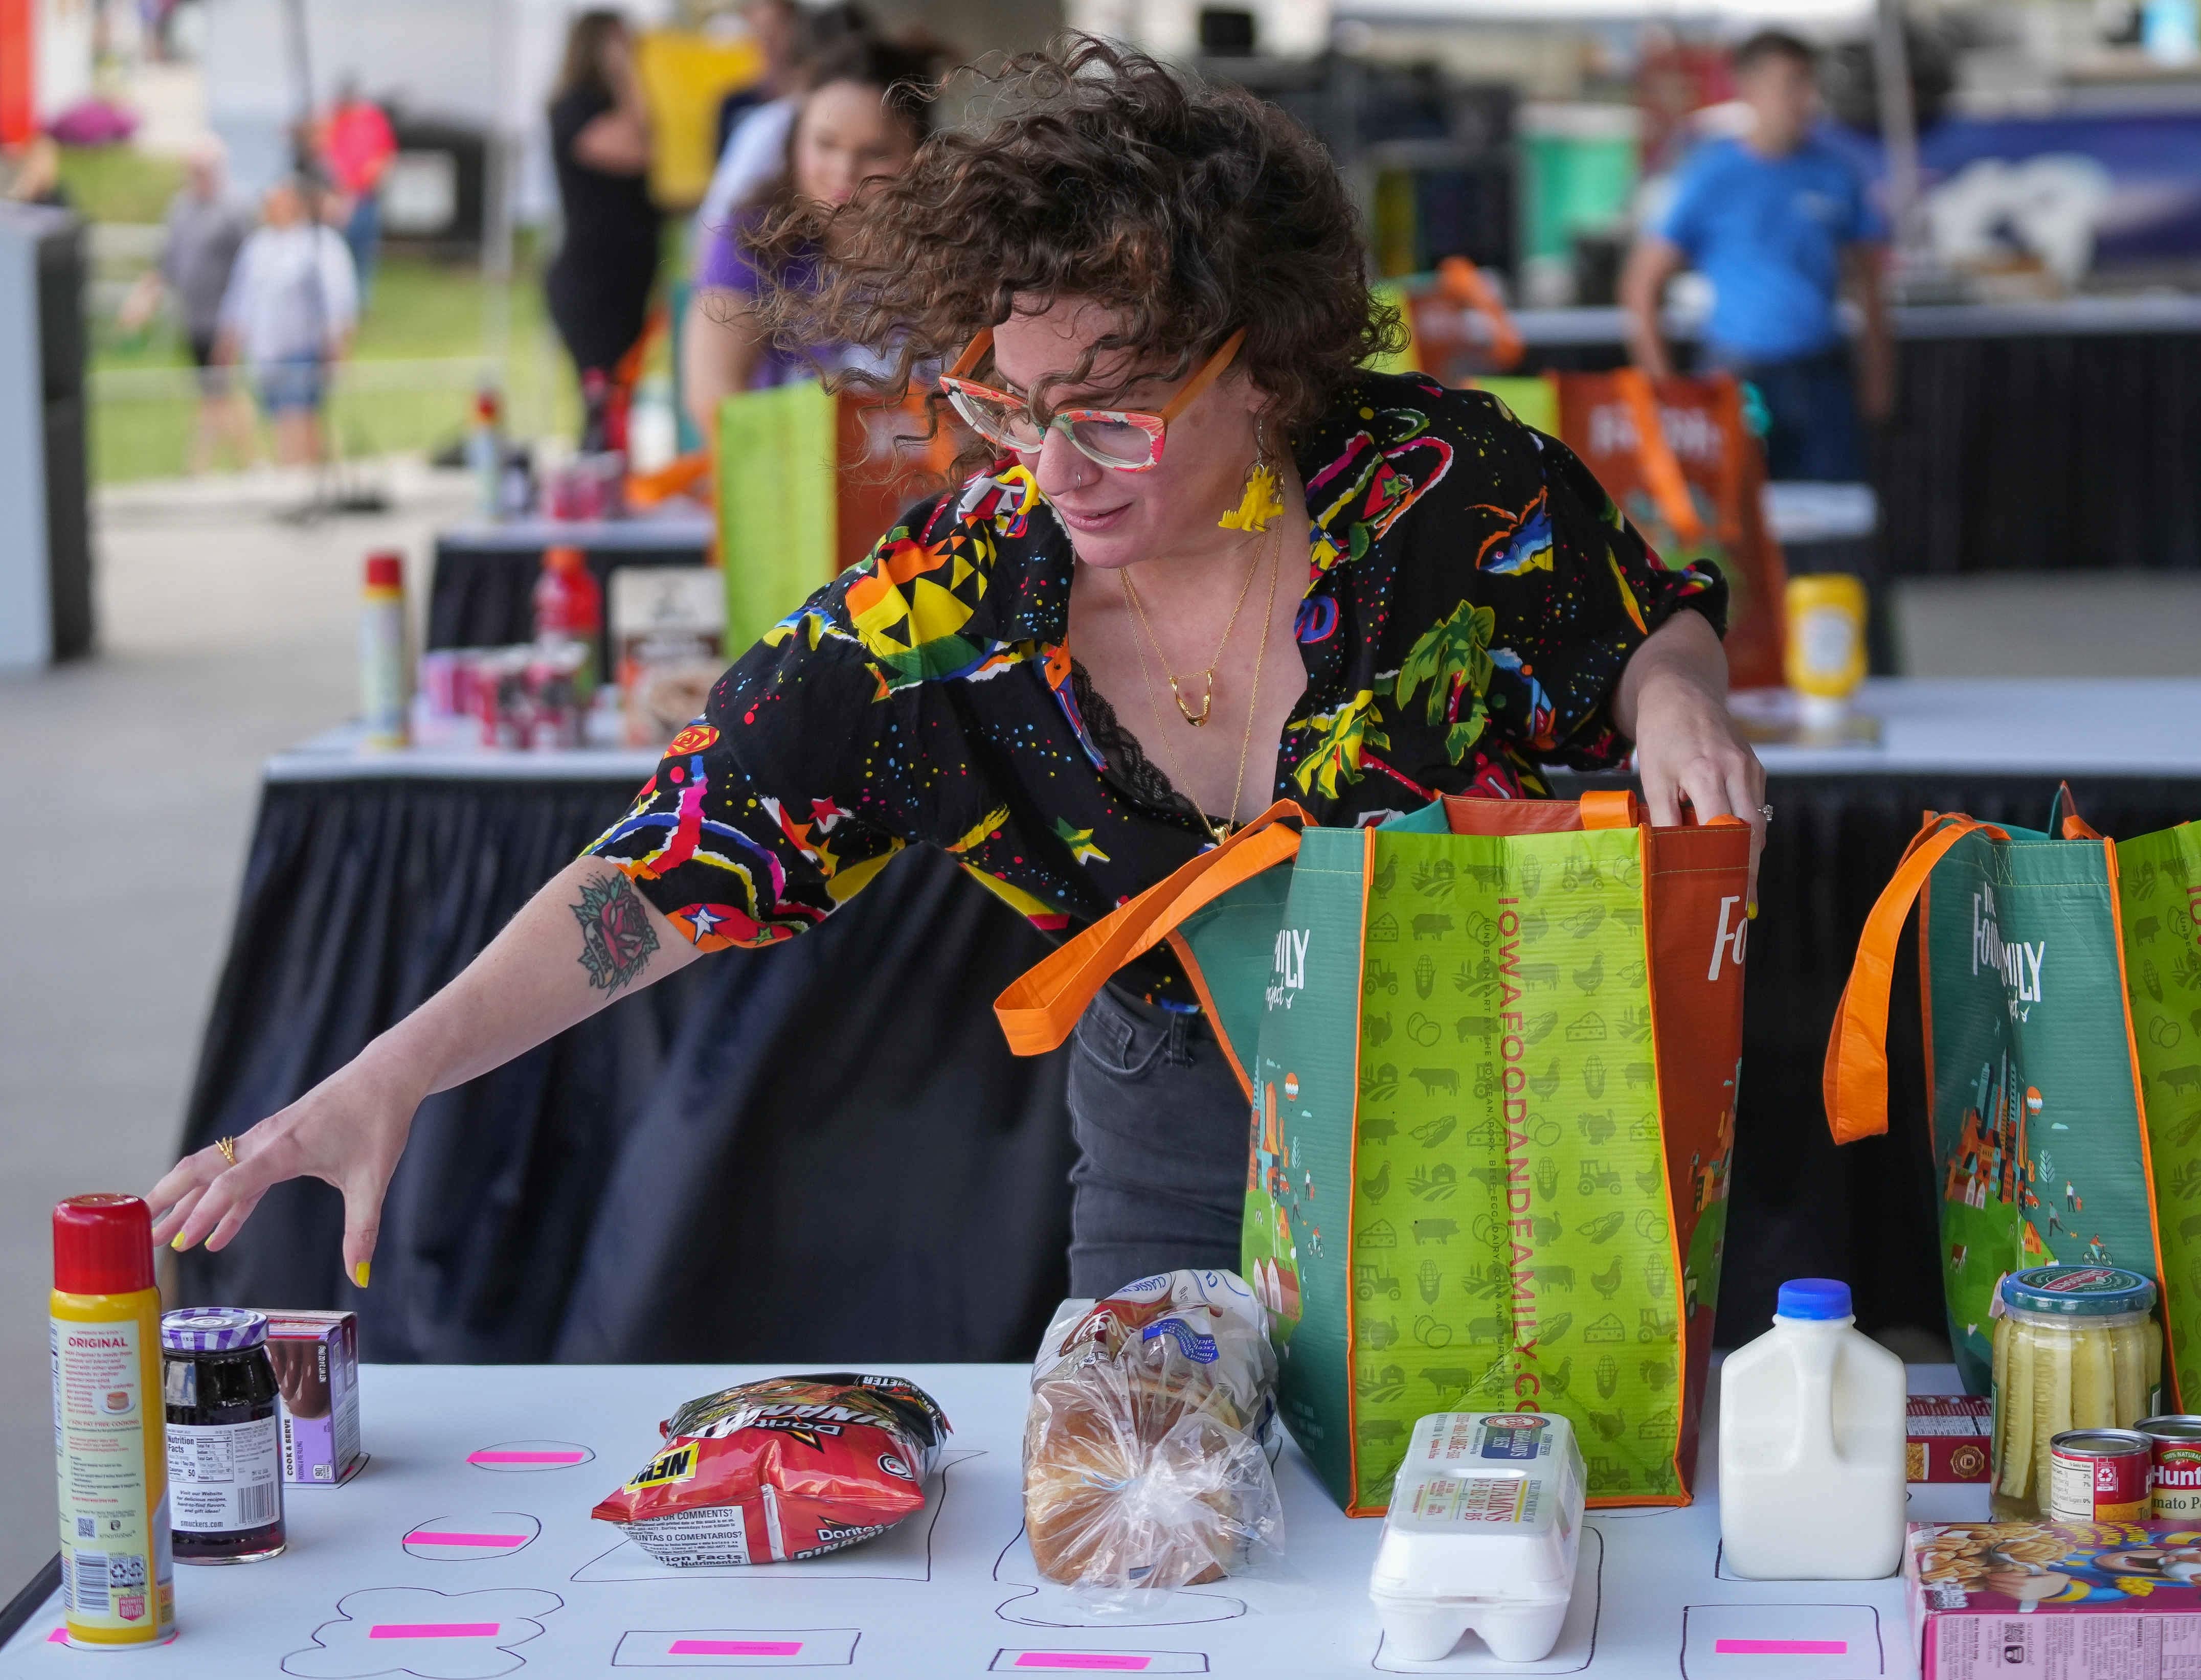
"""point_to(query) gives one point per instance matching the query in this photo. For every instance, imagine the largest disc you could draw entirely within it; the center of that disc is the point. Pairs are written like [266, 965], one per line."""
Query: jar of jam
[225, 1443]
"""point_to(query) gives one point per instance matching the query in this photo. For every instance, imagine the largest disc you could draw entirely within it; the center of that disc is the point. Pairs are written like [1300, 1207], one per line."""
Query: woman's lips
[1092, 524]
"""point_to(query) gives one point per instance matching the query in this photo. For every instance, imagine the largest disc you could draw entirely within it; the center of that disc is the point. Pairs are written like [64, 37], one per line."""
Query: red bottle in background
[569, 608]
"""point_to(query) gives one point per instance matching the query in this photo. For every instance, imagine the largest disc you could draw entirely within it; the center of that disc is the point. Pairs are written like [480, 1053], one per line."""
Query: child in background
[288, 315]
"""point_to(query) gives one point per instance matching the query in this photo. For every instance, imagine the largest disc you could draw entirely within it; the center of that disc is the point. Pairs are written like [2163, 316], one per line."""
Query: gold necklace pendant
[1206, 704]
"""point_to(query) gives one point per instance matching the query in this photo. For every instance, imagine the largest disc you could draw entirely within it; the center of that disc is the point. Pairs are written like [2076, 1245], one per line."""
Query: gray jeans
[1161, 1130]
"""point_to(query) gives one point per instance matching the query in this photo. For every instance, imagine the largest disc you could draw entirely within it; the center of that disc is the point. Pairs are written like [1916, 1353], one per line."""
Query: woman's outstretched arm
[587, 938]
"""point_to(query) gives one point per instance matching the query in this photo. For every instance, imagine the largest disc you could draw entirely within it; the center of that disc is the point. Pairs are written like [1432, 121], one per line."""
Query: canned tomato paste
[2177, 1441]
[2099, 1476]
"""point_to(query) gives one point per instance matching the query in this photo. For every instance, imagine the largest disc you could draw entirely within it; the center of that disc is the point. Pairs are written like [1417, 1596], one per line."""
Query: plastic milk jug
[1811, 1425]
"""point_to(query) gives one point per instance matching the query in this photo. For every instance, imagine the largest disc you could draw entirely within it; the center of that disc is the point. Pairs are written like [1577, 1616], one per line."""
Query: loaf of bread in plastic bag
[1144, 1464]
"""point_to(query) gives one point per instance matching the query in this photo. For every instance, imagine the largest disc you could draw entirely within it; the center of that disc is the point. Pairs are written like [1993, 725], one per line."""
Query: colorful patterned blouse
[1471, 597]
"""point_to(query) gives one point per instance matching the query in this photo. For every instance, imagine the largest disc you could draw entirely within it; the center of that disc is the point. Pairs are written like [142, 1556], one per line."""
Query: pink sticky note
[525, 1458]
[1088, 1659]
[734, 1648]
[433, 1631]
[1781, 1647]
[429, 1536]
[58, 1636]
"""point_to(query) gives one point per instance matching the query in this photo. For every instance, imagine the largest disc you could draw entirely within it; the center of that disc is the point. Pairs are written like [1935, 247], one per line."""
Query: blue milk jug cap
[1813, 1298]
[2087, 1291]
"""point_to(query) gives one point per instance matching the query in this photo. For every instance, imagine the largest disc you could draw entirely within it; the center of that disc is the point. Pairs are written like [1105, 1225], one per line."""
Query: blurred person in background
[599, 282]
[205, 229]
[870, 110]
[753, 150]
[1777, 220]
[30, 173]
[355, 144]
[288, 316]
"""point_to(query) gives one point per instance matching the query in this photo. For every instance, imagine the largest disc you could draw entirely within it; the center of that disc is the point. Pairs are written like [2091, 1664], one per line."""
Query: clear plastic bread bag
[1145, 1457]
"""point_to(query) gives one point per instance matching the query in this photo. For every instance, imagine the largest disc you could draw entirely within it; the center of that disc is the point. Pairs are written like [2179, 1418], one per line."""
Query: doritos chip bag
[788, 1468]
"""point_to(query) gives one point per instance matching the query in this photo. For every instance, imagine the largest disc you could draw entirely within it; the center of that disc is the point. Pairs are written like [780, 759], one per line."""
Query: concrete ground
[131, 779]
[226, 635]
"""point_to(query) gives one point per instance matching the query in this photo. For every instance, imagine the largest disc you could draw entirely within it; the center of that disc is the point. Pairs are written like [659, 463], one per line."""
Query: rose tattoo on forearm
[616, 937]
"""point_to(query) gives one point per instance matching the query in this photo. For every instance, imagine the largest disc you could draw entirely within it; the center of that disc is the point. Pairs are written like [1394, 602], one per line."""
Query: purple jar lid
[212, 1329]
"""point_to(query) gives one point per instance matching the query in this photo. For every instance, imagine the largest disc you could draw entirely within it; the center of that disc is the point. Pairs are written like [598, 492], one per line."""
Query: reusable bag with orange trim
[1489, 1053]
[2060, 977]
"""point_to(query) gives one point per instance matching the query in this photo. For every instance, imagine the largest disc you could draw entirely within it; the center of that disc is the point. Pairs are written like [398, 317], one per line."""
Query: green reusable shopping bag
[2061, 985]
[1489, 1052]
[777, 517]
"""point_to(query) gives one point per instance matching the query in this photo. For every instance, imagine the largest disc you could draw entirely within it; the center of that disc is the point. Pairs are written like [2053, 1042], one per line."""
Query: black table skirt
[2027, 454]
[823, 1151]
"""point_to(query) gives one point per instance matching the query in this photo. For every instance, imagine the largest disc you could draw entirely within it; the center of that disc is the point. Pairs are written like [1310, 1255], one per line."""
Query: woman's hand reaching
[1672, 700]
[350, 1130]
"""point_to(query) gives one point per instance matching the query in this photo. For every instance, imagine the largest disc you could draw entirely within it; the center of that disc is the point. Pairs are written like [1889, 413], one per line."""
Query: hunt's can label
[2177, 1442]
[2099, 1476]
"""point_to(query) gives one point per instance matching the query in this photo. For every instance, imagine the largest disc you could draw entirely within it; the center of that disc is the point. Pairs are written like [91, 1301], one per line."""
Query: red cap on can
[103, 1246]
[386, 571]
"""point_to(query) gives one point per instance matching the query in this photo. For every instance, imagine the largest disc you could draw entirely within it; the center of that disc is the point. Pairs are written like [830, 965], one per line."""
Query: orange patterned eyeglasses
[1124, 440]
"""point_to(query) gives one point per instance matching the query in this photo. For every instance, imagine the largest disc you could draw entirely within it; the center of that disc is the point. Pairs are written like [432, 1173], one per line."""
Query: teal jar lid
[2078, 1291]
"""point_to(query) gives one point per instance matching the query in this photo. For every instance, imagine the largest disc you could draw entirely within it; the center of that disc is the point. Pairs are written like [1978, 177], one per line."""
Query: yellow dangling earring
[1262, 500]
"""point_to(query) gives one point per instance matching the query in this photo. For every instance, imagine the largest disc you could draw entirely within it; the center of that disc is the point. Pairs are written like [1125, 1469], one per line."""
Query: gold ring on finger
[228, 1148]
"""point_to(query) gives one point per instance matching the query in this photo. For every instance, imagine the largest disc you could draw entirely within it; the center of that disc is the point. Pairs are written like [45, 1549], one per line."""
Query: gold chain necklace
[1207, 676]
[1221, 831]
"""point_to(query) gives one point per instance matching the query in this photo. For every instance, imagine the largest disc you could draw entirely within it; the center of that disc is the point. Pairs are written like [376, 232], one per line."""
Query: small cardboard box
[316, 1358]
[2055, 1601]
[1949, 1437]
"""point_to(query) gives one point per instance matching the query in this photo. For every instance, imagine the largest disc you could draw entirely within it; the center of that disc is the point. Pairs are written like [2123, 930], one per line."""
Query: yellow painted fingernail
[1749, 911]
[359, 1274]
[177, 1244]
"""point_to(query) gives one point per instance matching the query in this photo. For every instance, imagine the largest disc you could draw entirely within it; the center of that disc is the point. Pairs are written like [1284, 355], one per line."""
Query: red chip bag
[788, 1468]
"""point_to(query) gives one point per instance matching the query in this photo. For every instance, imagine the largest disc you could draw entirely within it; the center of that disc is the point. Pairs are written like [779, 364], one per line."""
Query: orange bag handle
[1855, 1084]
[1465, 286]
[2073, 826]
[1609, 808]
[1655, 459]
[1040, 1007]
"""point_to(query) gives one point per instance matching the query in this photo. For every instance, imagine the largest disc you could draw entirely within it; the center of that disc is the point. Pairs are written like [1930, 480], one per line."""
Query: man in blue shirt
[1776, 221]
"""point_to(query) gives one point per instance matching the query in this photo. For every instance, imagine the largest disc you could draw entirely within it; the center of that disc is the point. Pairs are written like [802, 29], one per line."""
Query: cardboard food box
[1949, 1437]
[2055, 1601]
[667, 623]
[316, 1359]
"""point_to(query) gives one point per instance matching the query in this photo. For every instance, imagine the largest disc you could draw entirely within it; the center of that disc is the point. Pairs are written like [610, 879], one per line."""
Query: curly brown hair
[1187, 209]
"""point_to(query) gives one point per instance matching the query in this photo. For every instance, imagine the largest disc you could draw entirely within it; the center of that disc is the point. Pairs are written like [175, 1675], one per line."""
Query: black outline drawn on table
[1174, 1612]
[1476, 1659]
[851, 1563]
[1083, 1662]
[1721, 1572]
[1819, 1666]
[587, 1456]
[355, 1621]
[734, 1659]
[471, 1553]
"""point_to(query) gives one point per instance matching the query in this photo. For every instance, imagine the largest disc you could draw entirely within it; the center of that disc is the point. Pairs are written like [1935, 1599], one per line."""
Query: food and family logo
[2017, 963]
[1288, 967]
[1729, 938]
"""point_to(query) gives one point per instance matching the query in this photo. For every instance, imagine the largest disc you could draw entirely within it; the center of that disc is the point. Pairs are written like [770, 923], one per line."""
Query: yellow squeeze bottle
[110, 1436]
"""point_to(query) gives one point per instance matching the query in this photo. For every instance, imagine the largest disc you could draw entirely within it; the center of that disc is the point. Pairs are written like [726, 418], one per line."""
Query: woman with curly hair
[1203, 561]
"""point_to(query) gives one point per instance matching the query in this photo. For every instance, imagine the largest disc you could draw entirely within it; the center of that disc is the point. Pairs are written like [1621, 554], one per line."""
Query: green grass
[421, 310]
[120, 183]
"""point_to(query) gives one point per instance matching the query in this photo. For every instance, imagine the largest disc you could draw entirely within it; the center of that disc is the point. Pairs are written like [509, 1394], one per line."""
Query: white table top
[952, 1592]
[672, 526]
[2051, 318]
[2049, 727]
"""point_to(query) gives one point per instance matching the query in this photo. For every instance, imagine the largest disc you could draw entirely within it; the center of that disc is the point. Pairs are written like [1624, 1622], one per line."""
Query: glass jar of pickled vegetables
[2073, 1349]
